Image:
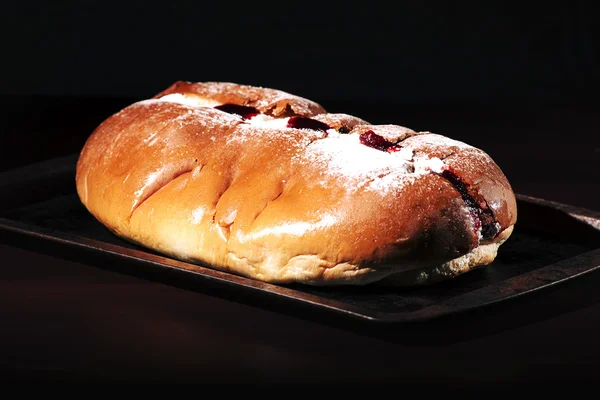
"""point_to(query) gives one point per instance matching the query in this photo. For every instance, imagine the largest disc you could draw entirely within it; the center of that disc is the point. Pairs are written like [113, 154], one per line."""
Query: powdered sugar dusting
[213, 120]
[206, 116]
[189, 99]
[266, 121]
[437, 142]
[216, 88]
[355, 165]
[426, 164]
[392, 180]
[274, 128]
[470, 161]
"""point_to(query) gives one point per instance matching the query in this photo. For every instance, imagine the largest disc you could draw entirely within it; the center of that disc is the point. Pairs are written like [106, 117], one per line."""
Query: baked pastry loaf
[269, 185]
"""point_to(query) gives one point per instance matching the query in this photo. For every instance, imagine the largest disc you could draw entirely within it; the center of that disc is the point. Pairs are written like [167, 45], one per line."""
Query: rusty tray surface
[551, 243]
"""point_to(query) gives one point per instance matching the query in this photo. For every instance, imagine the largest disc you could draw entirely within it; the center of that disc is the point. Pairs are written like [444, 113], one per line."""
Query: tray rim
[496, 292]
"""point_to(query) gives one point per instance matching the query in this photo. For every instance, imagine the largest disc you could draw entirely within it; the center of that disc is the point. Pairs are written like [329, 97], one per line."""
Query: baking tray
[552, 243]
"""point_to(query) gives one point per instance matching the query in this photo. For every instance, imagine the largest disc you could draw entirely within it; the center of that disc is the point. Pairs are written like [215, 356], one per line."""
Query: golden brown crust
[338, 121]
[268, 101]
[479, 257]
[284, 204]
[476, 169]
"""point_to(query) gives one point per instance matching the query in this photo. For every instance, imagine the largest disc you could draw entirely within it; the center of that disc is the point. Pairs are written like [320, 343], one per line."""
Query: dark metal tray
[552, 243]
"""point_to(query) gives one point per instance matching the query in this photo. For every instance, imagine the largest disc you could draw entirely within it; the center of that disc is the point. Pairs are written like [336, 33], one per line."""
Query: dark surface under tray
[551, 243]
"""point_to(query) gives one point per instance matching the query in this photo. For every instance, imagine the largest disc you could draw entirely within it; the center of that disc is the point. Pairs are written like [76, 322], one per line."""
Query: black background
[517, 79]
[408, 52]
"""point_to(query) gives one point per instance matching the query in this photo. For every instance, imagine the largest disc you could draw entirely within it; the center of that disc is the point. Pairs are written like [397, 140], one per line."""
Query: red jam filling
[245, 112]
[307, 123]
[371, 139]
[482, 215]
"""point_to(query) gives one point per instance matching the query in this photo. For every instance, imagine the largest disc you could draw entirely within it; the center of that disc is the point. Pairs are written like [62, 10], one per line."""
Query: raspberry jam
[460, 185]
[371, 139]
[307, 123]
[482, 215]
[245, 112]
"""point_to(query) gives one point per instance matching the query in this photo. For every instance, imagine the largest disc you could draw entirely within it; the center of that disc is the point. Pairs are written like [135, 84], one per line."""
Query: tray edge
[587, 216]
